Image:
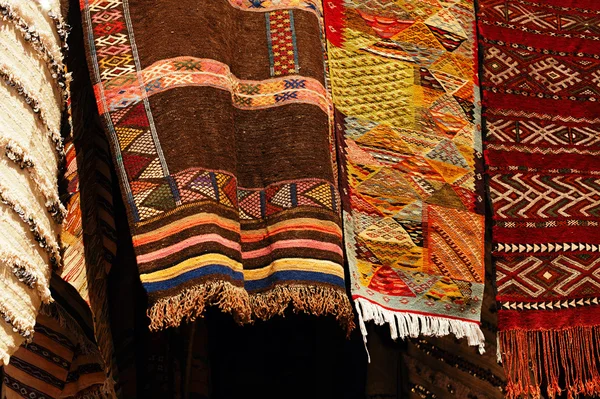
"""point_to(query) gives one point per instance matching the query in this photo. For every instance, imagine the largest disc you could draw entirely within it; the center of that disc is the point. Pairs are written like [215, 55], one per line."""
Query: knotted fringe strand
[317, 300]
[563, 360]
[405, 324]
[191, 303]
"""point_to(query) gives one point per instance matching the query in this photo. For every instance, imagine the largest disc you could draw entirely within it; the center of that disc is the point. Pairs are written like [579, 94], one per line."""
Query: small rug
[541, 63]
[403, 77]
[220, 127]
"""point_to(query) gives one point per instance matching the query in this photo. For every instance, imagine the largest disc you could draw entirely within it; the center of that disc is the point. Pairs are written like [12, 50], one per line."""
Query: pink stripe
[164, 252]
[313, 244]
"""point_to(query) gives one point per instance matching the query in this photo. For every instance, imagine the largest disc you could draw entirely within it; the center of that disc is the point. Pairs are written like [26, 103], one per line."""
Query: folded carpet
[221, 133]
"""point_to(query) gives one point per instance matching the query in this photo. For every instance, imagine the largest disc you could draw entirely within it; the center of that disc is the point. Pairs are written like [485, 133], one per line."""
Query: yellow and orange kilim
[403, 77]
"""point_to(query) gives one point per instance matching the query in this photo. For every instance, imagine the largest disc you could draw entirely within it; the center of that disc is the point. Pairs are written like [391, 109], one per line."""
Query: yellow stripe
[295, 264]
[191, 264]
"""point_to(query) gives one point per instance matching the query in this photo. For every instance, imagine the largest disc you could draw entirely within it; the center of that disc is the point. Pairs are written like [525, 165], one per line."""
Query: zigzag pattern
[545, 196]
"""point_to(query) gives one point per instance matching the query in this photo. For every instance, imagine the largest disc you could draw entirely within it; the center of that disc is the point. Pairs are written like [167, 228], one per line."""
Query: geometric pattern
[403, 84]
[545, 76]
[186, 218]
[545, 196]
[547, 248]
[550, 305]
[123, 92]
[190, 71]
[540, 86]
[454, 256]
[548, 277]
[281, 38]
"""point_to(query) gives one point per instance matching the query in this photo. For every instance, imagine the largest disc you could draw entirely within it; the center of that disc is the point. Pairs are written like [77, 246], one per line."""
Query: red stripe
[587, 163]
[569, 45]
[334, 21]
[548, 319]
[567, 108]
[590, 235]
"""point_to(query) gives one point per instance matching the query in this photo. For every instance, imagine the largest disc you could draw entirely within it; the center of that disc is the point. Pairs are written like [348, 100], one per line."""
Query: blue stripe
[174, 189]
[215, 184]
[294, 194]
[270, 43]
[293, 29]
[192, 274]
[293, 275]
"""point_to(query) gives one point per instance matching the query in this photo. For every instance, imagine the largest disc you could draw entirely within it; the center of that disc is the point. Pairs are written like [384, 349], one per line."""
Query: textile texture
[438, 367]
[33, 96]
[403, 77]
[88, 235]
[58, 363]
[541, 92]
[222, 143]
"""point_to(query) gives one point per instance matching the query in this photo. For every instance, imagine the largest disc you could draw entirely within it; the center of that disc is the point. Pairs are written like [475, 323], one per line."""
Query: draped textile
[220, 128]
[61, 361]
[403, 77]
[33, 97]
[540, 89]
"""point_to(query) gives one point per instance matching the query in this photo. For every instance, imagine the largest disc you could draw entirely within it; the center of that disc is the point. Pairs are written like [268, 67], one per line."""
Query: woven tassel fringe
[191, 303]
[562, 360]
[312, 299]
[404, 324]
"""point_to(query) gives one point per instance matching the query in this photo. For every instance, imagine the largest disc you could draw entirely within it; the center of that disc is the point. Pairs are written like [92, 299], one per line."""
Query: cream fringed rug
[32, 100]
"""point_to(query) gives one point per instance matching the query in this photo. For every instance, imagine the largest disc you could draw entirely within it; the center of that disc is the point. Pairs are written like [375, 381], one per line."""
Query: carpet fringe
[405, 324]
[562, 360]
[191, 303]
[317, 300]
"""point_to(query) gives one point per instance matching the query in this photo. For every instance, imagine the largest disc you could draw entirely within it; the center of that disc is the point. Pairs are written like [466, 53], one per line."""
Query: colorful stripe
[190, 264]
[187, 71]
[213, 270]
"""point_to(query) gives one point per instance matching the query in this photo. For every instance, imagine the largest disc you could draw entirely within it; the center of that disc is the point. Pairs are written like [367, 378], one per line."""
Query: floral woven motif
[403, 76]
[223, 145]
[542, 96]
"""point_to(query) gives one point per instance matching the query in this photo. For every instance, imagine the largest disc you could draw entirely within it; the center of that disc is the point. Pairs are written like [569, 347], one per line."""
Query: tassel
[562, 360]
[406, 324]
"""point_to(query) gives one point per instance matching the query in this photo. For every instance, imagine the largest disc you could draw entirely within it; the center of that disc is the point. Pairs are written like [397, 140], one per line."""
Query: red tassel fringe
[562, 360]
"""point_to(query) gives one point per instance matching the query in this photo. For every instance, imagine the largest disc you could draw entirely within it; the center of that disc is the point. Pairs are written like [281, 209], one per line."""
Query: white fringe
[404, 324]
[45, 4]
[498, 350]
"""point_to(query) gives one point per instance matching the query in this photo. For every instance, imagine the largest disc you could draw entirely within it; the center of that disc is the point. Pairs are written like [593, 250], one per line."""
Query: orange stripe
[257, 235]
[246, 236]
[184, 224]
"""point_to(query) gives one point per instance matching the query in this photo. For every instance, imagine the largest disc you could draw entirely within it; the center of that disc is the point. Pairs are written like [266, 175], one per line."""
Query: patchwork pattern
[403, 83]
